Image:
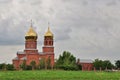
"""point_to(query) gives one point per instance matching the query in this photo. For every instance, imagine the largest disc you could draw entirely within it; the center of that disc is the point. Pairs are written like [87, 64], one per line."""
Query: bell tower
[48, 48]
[31, 41]
[48, 42]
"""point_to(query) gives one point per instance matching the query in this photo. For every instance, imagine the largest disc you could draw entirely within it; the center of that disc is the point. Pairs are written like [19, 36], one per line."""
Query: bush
[10, 67]
[28, 67]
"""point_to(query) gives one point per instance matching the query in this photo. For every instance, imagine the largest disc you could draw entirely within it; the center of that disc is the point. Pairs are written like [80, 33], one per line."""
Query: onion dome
[48, 33]
[31, 34]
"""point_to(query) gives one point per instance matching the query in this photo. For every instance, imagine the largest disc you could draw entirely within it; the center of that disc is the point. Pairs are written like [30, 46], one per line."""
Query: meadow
[58, 75]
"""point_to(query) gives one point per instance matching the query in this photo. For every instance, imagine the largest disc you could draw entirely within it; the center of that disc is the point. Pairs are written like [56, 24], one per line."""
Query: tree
[3, 66]
[23, 65]
[33, 64]
[10, 67]
[48, 63]
[42, 63]
[66, 61]
[79, 66]
[28, 67]
[117, 64]
[107, 65]
[97, 64]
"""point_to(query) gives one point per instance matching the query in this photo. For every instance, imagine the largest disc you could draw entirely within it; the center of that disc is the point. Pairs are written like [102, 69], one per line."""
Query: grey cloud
[10, 33]
[62, 33]
[5, 1]
[113, 3]
[35, 2]
[82, 26]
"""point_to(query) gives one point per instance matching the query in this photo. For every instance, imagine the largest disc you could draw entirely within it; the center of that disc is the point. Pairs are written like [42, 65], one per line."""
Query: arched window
[45, 42]
[52, 42]
[49, 42]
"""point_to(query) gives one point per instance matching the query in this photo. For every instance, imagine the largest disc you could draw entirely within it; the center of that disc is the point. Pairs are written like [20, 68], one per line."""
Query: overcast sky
[89, 29]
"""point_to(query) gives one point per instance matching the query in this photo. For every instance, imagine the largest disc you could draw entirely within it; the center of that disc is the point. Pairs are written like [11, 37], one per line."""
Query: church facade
[31, 52]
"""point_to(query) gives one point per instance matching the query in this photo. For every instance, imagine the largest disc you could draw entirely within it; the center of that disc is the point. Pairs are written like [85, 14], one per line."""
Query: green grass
[58, 75]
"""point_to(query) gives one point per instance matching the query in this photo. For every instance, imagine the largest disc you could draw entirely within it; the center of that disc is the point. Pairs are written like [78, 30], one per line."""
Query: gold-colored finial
[48, 26]
[31, 22]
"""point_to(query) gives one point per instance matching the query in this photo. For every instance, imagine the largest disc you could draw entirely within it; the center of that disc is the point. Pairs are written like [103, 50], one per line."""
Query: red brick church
[31, 53]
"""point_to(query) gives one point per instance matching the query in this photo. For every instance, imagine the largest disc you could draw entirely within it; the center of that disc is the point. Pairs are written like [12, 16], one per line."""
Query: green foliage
[42, 63]
[106, 64]
[4, 66]
[45, 64]
[66, 61]
[79, 67]
[33, 64]
[10, 67]
[1, 66]
[48, 63]
[28, 67]
[97, 64]
[23, 65]
[117, 63]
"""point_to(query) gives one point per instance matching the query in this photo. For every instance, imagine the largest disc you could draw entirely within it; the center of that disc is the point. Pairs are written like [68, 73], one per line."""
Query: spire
[48, 24]
[31, 23]
[48, 27]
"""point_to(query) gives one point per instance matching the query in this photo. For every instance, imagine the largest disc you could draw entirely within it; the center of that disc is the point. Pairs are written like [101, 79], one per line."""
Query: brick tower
[31, 41]
[31, 47]
[48, 47]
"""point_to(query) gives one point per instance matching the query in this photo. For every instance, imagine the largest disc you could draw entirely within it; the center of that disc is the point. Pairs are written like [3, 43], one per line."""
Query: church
[31, 52]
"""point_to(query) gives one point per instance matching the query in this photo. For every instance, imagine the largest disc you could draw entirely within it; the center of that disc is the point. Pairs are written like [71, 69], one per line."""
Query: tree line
[4, 66]
[66, 61]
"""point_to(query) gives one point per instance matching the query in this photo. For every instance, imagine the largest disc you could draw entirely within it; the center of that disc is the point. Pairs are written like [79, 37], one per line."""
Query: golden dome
[31, 34]
[49, 33]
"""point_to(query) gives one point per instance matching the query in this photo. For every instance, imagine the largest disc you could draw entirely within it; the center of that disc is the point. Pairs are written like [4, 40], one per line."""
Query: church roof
[16, 58]
[20, 52]
[86, 61]
[49, 33]
[31, 32]
[30, 49]
[24, 58]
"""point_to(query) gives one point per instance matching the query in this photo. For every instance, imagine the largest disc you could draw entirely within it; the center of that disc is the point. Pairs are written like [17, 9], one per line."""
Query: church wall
[31, 44]
[48, 49]
[51, 56]
[32, 57]
[16, 64]
[27, 51]
[87, 66]
[20, 55]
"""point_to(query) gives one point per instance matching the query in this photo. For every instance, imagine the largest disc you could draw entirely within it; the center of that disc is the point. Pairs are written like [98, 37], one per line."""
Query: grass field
[58, 75]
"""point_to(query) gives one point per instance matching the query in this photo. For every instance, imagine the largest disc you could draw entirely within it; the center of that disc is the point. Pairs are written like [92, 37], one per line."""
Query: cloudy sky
[89, 29]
